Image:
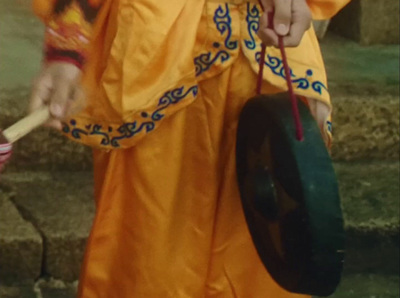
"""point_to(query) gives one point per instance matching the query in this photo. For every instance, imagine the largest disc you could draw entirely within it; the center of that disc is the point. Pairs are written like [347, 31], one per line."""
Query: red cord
[261, 68]
[293, 98]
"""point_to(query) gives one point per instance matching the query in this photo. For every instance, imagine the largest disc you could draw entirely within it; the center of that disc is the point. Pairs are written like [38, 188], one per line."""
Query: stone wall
[369, 21]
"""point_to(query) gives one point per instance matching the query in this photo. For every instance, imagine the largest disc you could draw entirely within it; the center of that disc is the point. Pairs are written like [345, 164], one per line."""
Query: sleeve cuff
[73, 57]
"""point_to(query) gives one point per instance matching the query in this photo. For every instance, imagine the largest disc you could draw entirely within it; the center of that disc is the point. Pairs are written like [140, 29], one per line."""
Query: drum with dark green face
[290, 196]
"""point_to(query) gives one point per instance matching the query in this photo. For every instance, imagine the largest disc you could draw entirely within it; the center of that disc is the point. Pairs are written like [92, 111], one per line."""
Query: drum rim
[281, 114]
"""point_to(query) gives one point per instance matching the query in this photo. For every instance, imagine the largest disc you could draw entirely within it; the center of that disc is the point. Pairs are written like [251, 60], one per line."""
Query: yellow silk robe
[166, 81]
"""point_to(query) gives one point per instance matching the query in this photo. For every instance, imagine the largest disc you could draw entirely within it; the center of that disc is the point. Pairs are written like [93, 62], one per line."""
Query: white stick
[26, 125]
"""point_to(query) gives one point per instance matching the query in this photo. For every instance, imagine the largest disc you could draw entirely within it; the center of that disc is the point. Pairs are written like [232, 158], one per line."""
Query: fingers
[58, 87]
[290, 20]
[283, 16]
[267, 34]
[295, 35]
[42, 88]
[41, 94]
[54, 123]
[301, 22]
[61, 101]
[59, 98]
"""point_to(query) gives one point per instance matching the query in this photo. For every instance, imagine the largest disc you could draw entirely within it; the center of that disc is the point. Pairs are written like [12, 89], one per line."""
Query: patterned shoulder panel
[228, 27]
[224, 30]
[68, 31]
[89, 8]
[123, 135]
[218, 39]
[306, 77]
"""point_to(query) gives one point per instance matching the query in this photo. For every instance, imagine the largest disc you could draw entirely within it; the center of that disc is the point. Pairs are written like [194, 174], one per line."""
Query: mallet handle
[26, 125]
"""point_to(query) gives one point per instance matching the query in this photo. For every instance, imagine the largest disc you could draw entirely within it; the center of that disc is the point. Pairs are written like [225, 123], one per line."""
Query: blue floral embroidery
[329, 126]
[76, 133]
[274, 63]
[318, 87]
[97, 131]
[128, 130]
[277, 68]
[223, 22]
[205, 61]
[252, 19]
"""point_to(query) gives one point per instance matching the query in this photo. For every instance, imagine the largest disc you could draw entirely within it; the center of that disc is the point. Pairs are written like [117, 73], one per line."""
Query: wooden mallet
[19, 130]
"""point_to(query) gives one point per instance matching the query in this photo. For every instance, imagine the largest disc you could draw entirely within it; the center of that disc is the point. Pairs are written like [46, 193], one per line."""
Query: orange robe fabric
[166, 82]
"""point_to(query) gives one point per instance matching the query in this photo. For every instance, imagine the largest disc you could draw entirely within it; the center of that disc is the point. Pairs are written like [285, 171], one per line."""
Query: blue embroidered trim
[277, 68]
[205, 61]
[128, 130]
[318, 87]
[274, 63]
[223, 22]
[329, 126]
[252, 19]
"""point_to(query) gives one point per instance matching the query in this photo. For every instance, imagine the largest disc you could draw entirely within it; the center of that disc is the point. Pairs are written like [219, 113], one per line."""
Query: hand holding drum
[290, 20]
[287, 184]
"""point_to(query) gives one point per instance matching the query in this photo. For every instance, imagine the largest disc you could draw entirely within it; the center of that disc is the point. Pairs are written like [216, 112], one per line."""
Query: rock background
[369, 21]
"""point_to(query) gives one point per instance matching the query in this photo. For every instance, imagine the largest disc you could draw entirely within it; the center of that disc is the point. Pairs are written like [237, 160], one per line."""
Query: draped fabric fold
[147, 57]
[166, 82]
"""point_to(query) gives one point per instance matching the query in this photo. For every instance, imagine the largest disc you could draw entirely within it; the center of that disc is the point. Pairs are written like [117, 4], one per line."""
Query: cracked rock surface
[20, 244]
[60, 207]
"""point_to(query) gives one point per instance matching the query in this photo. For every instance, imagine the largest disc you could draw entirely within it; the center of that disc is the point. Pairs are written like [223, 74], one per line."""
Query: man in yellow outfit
[164, 84]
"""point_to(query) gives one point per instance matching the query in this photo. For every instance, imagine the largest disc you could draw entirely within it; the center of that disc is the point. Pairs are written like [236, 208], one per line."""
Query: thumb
[41, 91]
[59, 99]
[283, 16]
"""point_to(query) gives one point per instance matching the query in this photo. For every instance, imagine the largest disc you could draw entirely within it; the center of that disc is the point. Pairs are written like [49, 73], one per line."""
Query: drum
[290, 196]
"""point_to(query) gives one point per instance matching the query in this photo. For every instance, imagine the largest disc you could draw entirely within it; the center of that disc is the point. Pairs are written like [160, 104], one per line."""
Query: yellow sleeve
[326, 9]
[68, 28]
[43, 8]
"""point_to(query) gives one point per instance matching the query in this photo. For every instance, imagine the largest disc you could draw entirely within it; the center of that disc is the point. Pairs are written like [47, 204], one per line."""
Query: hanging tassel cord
[295, 108]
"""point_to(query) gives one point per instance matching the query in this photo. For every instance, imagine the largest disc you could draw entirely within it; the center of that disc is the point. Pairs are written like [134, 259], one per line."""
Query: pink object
[5, 153]
[20, 129]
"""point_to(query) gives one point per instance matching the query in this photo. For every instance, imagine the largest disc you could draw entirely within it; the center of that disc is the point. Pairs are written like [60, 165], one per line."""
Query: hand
[58, 86]
[291, 19]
